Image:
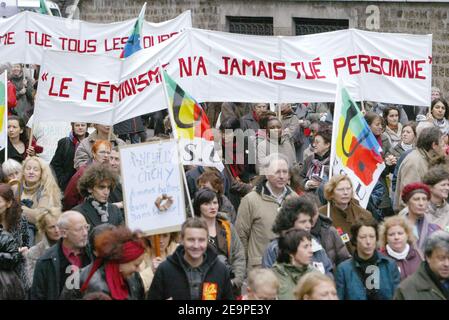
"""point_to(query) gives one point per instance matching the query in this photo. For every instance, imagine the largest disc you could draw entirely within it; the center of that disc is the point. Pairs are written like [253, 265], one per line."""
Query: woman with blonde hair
[38, 191]
[344, 209]
[316, 286]
[167, 244]
[396, 240]
[46, 223]
[262, 285]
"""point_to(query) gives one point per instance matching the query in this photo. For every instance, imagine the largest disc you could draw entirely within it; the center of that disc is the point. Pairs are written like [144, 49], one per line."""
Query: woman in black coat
[62, 162]
[11, 287]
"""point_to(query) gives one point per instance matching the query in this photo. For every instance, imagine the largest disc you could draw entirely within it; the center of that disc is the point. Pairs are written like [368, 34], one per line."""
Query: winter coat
[288, 276]
[93, 218]
[33, 254]
[331, 241]
[133, 125]
[439, 215]
[344, 219]
[19, 157]
[413, 168]
[393, 137]
[320, 260]
[171, 278]
[234, 110]
[268, 146]
[397, 151]
[255, 218]
[10, 285]
[229, 242]
[62, 162]
[146, 273]
[308, 164]
[21, 235]
[425, 229]
[48, 274]
[98, 283]
[83, 153]
[72, 196]
[9, 251]
[409, 265]
[248, 122]
[24, 107]
[419, 286]
[313, 114]
[350, 286]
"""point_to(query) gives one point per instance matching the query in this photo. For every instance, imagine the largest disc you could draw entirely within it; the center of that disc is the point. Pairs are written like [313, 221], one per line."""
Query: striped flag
[43, 8]
[3, 109]
[355, 150]
[133, 43]
[191, 126]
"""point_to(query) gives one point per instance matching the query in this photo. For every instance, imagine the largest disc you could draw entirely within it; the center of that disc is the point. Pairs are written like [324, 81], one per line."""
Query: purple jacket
[408, 266]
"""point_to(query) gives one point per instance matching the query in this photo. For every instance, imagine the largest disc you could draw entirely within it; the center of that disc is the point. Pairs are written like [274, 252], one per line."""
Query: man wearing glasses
[58, 267]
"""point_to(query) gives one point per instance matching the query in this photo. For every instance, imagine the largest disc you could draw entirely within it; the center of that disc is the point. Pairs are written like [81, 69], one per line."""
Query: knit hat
[412, 188]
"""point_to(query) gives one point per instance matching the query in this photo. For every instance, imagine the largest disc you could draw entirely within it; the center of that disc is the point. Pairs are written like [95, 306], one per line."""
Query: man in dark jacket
[194, 271]
[59, 266]
[95, 186]
[431, 280]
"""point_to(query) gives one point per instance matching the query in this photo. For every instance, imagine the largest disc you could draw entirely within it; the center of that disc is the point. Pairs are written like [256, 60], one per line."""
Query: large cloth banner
[25, 36]
[355, 150]
[218, 67]
[152, 187]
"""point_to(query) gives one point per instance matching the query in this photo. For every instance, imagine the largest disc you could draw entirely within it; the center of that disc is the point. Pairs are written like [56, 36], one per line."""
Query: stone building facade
[291, 17]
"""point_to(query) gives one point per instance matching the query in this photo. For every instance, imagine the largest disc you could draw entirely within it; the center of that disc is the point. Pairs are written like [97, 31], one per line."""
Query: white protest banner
[150, 171]
[25, 36]
[218, 67]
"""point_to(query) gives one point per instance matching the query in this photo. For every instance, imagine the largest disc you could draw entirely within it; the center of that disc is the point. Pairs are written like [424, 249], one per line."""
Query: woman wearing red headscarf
[115, 271]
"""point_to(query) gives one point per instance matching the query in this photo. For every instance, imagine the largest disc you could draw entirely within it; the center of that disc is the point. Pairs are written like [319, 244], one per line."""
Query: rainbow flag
[133, 43]
[3, 109]
[191, 127]
[355, 150]
[43, 8]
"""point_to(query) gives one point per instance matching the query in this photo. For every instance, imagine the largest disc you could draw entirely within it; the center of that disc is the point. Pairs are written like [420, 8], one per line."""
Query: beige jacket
[255, 218]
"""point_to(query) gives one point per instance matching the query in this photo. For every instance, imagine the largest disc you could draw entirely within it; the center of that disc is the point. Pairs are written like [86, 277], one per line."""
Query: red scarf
[236, 169]
[116, 283]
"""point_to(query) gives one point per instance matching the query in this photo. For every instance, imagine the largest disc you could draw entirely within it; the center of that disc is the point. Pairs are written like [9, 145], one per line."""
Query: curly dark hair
[288, 244]
[14, 212]
[109, 243]
[289, 212]
[95, 174]
[325, 131]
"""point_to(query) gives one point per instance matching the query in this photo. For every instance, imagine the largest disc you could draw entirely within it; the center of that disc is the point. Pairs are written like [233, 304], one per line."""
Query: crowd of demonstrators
[275, 223]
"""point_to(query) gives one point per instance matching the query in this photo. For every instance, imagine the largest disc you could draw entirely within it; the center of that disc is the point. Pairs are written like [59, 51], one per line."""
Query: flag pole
[5, 116]
[172, 122]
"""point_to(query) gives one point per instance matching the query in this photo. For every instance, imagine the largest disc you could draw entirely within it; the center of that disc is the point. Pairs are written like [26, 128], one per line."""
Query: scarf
[317, 164]
[102, 208]
[74, 139]
[394, 136]
[442, 125]
[398, 255]
[230, 153]
[406, 147]
[371, 294]
[114, 279]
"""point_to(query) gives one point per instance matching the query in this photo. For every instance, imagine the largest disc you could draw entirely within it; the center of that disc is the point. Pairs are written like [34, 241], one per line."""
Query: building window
[305, 26]
[261, 26]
